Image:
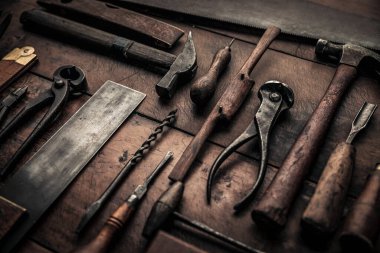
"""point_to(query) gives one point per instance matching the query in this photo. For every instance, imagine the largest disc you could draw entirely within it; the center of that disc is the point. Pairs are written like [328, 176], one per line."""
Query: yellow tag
[21, 55]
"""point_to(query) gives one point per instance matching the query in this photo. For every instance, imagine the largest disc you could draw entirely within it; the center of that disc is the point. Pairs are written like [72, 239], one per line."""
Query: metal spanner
[67, 81]
[275, 97]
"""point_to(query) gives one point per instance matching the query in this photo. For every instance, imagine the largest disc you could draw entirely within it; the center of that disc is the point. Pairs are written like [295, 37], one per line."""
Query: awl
[123, 213]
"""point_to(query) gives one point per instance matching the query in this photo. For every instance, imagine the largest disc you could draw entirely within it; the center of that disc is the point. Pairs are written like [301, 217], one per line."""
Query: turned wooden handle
[227, 105]
[325, 208]
[110, 230]
[362, 224]
[272, 209]
[203, 88]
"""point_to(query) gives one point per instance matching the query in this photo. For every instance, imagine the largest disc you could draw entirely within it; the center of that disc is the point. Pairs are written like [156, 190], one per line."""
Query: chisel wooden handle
[272, 209]
[326, 205]
[110, 230]
[227, 105]
[203, 88]
[362, 224]
[96, 39]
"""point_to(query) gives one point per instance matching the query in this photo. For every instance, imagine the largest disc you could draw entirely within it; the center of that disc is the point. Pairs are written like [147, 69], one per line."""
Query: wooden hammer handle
[272, 209]
[110, 230]
[325, 208]
[226, 107]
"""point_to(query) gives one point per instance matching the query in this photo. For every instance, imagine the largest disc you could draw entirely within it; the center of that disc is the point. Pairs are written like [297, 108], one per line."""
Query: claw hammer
[272, 209]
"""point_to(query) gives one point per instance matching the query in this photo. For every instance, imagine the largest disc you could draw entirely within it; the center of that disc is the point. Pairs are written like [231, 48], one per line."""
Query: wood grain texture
[10, 214]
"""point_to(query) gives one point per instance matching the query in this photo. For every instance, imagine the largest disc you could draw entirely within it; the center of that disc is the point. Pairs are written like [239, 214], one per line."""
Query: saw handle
[204, 87]
[362, 224]
[325, 207]
[272, 209]
[110, 230]
[227, 105]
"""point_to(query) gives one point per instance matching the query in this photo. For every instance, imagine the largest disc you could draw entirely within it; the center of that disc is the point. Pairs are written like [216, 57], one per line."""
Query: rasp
[120, 21]
[46, 175]
[303, 19]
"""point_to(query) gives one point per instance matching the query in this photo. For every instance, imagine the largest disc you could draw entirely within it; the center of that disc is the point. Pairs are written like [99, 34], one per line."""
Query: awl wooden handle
[325, 208]
[272, 209]
[204, 87]
[110, 230]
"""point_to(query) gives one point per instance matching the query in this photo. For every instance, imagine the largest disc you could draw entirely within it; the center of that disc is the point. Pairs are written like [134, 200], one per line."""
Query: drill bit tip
[232, 41]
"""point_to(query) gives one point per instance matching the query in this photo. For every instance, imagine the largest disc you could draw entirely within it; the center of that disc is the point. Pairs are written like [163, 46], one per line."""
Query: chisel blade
[46, 175]
[361, 120]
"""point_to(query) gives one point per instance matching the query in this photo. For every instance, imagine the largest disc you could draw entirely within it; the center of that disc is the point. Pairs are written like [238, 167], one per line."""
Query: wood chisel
[323, 212]
[47, 174]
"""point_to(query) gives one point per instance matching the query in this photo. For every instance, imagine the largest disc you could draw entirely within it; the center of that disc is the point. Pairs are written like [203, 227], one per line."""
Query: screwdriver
[120, 217]
[323, 212]
[204, 87]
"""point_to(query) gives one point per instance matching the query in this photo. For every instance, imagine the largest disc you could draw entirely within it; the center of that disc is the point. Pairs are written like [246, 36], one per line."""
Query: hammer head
[348, 54]
[182, 69]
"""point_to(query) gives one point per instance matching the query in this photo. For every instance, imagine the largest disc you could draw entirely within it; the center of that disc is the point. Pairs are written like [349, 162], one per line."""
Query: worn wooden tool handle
[226, 107]
[272, 209]
[95, 39]
[110, 230]
[325, 208]
[204, 87]
[362, 224]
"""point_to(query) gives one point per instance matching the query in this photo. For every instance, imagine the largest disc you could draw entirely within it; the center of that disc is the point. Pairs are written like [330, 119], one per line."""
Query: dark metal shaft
[210, 231]
[95, 206]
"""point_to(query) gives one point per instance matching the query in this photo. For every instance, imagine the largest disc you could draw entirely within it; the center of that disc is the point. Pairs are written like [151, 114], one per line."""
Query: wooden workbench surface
[289, 62]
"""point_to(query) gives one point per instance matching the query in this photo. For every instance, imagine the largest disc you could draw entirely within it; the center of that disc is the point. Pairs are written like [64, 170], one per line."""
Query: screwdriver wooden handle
[272, 209]
[204, 87]
[227, 105]
[362, 224]
[110, 230]
[326, 205]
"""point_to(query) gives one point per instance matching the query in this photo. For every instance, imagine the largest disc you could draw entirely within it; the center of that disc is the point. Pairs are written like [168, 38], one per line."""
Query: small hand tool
[10, 100]
[47, 174]
[275, 97]
[5, 20]
[362, 224]
[325, 207]
[117, 20]
[121, 216]
[164, 210]
[67, 81]
[15, 63]
[272, 209]
[204, 87]
[137, 157]
[182, 69]
[91, 38]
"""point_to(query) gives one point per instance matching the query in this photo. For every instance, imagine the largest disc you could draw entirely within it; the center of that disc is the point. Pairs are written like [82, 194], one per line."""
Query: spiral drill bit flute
[137, 157]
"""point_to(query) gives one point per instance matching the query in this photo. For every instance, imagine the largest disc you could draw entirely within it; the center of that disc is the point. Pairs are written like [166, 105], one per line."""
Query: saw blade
[302, 19]
[46, 175]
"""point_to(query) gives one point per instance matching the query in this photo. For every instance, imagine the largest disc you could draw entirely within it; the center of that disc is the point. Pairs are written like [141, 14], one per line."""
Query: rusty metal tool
[42, 179]
[116, 222]
[272, 209]
[182, 69]
[114, 19]
[204, 87]
[362, 224]
[164, 210]
[275, 97]
[137, 157]
[68, 81]
[100, 41]
[15, 63]
[325, 207]
[10, 100]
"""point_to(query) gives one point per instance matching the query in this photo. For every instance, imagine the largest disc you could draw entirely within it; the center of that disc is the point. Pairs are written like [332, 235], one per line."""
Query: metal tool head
[75, 78]
[182, 69]
[13, 97]
[275, 97]
[163, 208]
[349, 54]
[361, 120]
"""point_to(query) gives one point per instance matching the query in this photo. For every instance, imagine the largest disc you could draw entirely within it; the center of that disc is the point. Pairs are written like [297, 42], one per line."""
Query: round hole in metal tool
[70, 73]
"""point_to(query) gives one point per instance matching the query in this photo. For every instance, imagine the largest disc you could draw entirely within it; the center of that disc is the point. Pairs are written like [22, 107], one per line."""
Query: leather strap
[14, 64]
